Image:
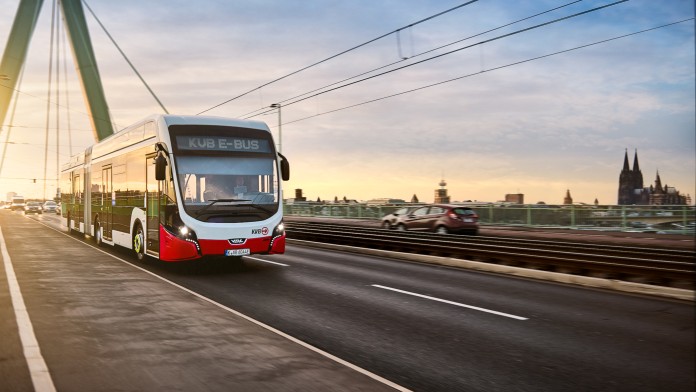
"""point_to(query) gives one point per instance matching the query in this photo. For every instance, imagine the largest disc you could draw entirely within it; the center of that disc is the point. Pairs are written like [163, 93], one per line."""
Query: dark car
[33, 207]
[389, 220]
[440, 218]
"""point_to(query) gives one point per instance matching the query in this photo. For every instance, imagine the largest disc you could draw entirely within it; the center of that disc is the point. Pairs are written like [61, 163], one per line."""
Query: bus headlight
[185, 233]
[279, 230]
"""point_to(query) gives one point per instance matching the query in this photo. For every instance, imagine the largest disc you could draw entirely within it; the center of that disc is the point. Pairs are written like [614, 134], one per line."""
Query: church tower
[630, 182]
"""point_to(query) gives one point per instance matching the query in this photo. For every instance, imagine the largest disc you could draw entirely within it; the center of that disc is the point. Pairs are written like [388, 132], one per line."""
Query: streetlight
[280, 129]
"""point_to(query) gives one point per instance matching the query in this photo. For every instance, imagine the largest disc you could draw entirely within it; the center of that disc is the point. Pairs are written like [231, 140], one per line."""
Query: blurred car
[50, 206]
[440, 218]
[58, 207]
[18, 203]
[33, 207]
[389, 220]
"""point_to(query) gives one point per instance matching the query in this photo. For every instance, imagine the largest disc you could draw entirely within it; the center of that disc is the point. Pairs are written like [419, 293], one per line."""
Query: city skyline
[537, 128]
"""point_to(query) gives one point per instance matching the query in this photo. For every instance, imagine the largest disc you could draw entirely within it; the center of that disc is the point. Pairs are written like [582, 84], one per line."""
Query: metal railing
[661, 219]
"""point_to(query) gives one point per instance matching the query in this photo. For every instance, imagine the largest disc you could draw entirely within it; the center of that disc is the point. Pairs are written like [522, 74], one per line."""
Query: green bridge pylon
[16, 50]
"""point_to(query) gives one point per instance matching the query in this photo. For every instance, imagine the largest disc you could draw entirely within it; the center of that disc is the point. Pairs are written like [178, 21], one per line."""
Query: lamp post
[280, 129]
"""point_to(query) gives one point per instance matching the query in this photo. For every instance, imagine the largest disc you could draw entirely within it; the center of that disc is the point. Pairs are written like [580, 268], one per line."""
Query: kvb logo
[263, 231]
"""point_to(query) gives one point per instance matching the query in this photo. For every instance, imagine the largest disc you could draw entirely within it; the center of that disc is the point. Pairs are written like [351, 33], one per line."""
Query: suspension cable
[12, 114]
[50, 85]
[125, 57]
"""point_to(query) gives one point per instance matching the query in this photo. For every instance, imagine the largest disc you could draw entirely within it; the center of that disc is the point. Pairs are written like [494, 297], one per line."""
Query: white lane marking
[450, 302]
[40, 376]
[248, 318]
[266, 261]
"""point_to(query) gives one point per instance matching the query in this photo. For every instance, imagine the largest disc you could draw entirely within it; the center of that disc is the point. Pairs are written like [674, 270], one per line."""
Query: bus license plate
[237, 252]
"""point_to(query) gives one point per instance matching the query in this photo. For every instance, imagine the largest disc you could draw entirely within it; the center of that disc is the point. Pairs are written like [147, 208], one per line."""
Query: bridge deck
[102, 324]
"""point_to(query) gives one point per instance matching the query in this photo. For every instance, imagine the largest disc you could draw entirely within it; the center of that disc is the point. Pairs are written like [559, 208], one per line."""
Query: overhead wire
[489, 70]
[264, 109]
[452, 52]
[337, 55]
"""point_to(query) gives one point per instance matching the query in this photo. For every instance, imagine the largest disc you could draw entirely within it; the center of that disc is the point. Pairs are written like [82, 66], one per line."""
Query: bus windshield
[228, 188]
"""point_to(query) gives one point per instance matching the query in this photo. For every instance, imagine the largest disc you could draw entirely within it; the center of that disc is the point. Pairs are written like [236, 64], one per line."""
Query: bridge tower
[15, 54]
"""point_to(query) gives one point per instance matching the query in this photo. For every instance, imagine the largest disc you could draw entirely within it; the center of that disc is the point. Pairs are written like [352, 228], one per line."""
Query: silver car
[50, 206]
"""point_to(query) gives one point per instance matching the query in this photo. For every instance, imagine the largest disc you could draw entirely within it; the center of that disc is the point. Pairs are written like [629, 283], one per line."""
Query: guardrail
[670, 268]
[662, 219]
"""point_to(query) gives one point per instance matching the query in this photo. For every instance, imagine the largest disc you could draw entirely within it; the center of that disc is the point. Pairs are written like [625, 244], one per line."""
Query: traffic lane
[574, 324]
[14, 372]
[592, 331]
[572, 338]
[102, 323]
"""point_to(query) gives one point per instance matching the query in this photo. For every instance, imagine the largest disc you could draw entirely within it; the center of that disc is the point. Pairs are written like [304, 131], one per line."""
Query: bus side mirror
[160, 167]
[284, 168]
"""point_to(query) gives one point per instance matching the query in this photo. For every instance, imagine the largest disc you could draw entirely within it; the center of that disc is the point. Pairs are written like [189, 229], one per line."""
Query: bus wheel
[98, 234]
[139, 242]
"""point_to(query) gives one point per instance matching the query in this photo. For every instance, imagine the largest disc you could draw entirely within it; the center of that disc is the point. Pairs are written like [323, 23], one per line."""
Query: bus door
[153, 208]
[74, 212]
[107, 203]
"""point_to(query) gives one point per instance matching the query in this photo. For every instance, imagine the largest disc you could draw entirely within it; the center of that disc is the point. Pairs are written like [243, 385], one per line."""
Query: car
[440, 218]
[33, 207]
[50, 206]
[389, 220]
[17, 203]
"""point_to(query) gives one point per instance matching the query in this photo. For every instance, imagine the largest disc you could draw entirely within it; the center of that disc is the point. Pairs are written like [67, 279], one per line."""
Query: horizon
[538, 128]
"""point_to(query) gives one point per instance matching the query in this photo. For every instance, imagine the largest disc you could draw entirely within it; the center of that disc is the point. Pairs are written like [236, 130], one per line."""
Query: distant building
[414, 199]
[632, 191]
[384, 201]
[441, 196]
[298, 195]
[516, 198]
[567, 199]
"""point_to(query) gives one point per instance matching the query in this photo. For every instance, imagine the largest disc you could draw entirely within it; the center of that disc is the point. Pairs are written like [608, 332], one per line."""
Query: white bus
[180, 188]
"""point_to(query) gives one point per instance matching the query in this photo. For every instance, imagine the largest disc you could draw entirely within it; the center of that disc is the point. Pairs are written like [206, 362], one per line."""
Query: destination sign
[222, 143]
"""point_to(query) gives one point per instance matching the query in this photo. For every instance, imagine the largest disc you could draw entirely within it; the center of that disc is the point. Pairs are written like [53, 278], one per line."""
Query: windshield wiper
[214, 201]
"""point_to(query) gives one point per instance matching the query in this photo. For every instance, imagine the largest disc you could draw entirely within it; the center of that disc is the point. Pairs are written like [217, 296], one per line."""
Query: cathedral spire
[635, 162]
[626, 167]
[658, 182]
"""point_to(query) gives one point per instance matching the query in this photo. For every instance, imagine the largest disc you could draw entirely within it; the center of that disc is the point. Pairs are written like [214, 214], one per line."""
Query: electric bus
[180, 188]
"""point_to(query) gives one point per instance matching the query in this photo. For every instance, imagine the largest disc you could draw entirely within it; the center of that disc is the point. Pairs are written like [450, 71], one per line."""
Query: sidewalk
[104, 325]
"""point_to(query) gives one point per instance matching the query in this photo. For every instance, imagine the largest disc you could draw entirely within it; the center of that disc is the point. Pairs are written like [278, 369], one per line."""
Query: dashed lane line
[451, 302]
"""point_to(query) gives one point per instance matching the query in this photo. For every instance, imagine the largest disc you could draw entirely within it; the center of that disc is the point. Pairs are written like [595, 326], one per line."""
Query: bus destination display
[222, 143]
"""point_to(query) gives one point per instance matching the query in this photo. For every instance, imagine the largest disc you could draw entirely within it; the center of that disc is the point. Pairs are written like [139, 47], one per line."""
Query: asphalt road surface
[433, 328]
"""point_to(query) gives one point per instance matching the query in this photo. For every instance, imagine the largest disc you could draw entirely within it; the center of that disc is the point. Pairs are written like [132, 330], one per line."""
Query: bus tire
[139, 242]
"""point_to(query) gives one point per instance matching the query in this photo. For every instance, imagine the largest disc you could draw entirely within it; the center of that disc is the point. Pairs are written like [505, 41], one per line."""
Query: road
[431, 328]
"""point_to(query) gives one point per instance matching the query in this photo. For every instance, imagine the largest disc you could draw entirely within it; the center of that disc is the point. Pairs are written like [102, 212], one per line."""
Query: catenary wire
[453, 51]
[264, 109]
[337, 55]
[489, 70]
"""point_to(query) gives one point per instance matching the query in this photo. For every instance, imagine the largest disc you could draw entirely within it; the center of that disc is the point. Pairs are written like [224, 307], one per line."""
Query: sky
[539, 127]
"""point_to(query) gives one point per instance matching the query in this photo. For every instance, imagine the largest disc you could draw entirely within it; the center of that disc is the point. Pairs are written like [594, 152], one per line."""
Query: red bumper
[173, 248]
